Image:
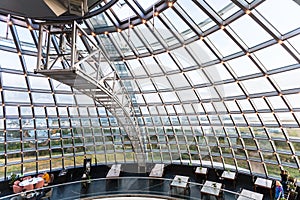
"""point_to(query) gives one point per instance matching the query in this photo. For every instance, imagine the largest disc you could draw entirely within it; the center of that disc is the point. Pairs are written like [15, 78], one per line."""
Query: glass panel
[243, 66]
[280, 57]
[152, 98]
[268, 119]
[273, 169]
[231, 106]
[260, 104]
[13, 80]
[258, 85]
[183, 58]
[270, 12]
[18, 97]
[286, 118]
[146, 4]
[187, 96]
[196, 77]
[25, 37]
[225, 8]
[218, 73]
[11, 60]
[206, 93]
[249, 31]
[148, 36]
[275, 132]
[253, 119]
[245, 105]
[123, 10]
[169, 97]
[287, 80]
[196, 14]
[200, 51]
[39, 83]
[293, 100]
[151, 66]
[145, 85]
[223, 43]
[176, 23]
[277, 102]
[163, 31]
[257, 167]
[45, 98]
[135, 41]
[136, 68]
[295, 42]
[229, 90]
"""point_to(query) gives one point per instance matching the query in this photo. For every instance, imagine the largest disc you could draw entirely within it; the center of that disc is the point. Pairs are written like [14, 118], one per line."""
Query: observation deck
[67, 54]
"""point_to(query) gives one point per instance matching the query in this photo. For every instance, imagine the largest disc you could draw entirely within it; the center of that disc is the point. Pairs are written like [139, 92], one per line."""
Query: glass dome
[211, 82]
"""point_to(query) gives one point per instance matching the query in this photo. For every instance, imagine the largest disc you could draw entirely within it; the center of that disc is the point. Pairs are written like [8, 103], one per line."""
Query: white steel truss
[87, 69]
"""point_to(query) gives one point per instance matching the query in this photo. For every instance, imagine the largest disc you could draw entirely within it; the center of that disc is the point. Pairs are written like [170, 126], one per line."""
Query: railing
[123, 186]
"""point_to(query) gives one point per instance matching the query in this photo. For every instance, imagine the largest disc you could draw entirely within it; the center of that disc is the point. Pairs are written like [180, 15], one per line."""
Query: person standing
[279, 192]
[284, 179]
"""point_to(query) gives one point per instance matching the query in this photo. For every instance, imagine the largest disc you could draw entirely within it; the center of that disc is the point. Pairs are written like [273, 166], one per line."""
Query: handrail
[148, 190]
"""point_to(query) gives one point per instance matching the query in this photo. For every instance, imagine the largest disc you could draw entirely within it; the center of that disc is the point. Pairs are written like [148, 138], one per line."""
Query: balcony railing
[123, 186]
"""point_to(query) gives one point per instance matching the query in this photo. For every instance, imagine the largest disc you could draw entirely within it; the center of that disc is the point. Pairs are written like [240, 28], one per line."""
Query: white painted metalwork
[86, 68]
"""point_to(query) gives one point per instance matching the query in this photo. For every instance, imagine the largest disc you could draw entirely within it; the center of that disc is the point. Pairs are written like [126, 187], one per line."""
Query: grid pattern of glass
[212, 82]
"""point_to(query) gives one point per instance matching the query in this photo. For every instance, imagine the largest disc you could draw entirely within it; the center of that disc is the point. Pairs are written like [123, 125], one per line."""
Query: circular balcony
[130, 188]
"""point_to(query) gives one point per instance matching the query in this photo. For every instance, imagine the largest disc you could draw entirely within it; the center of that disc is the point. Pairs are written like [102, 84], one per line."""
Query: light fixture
[170, 3]
[144, 21]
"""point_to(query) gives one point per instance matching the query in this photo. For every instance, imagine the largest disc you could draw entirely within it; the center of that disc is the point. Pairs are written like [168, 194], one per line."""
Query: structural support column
[88, 76]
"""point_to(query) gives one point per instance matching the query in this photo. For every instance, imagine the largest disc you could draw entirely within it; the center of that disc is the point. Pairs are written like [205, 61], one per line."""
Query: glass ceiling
[212, 82]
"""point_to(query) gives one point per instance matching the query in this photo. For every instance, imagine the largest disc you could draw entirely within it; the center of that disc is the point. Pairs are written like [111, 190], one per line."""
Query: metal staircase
[70, 56]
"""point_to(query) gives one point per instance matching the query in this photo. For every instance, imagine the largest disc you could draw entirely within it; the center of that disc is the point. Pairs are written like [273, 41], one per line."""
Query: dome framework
[211, 83]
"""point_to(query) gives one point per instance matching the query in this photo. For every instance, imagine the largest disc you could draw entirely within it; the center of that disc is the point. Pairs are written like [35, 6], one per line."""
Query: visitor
[284, 179]
[279, 192]
[46, 178]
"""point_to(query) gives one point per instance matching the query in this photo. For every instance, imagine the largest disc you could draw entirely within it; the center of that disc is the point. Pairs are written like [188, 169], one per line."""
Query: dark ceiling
[38, 9]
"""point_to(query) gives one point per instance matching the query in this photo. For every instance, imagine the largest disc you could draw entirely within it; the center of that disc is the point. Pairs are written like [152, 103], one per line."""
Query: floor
[129, 198]
[129, 184]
